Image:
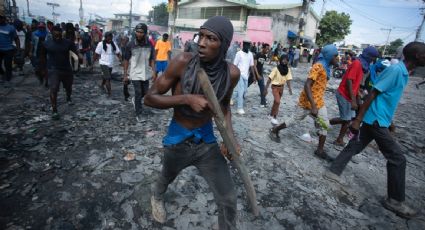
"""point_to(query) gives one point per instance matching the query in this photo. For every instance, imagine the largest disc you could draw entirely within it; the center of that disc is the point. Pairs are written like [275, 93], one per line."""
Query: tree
[333, 27]
[159, 15]
[392, 47]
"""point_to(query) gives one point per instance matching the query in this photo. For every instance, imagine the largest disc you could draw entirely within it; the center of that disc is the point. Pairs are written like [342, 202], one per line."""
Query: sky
[371, 19]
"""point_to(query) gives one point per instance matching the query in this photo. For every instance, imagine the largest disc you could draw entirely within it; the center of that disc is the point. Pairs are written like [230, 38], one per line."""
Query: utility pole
[421, 27]
[28, 8]
[322, 12]
[81, 13]
[14, 9]
[388, 38]
[53, 5]
[131, 14]
[303, 19]
[172, 14]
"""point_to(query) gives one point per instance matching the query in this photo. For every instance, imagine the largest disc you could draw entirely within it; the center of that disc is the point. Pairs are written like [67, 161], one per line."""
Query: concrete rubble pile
[93, 169]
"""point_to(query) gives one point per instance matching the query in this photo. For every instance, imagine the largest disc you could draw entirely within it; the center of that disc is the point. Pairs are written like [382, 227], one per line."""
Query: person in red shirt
[346, 95]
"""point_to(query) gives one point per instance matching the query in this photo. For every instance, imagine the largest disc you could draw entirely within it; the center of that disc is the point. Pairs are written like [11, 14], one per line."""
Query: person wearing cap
[162, 54]
[38, 38]
[138, 66]
[7, 37]
[244, 60]
[56, 52]
[190, 140]
[347, 93]
[312, 100]
[105, 52]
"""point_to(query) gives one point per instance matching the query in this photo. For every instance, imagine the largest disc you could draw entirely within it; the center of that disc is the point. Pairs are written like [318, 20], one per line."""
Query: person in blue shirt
[7, 49]
[376, 115]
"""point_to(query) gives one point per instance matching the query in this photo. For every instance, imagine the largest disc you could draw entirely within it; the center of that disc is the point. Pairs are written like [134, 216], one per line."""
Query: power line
[388, 7]
[365, 15]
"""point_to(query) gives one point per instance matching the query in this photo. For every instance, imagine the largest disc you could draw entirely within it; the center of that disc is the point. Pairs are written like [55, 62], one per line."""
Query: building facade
[273, 22]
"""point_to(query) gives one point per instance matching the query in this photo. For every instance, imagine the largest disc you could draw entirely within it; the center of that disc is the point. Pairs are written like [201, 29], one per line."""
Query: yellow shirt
[277, 78]
[318, 75]
[162, 48]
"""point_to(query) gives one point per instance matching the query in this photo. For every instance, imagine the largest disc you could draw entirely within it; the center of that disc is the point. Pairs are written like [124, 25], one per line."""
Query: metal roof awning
[291, 34]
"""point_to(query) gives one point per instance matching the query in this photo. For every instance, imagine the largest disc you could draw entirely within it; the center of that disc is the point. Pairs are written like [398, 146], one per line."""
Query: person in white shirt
[19, 55]
[106, 50]
[244, 60]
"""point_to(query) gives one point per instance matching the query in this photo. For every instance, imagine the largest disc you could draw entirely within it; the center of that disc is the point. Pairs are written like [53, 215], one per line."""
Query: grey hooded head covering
[217, 70]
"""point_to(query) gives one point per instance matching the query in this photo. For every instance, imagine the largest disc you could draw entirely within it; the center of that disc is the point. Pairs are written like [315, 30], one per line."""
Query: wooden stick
[228, 139]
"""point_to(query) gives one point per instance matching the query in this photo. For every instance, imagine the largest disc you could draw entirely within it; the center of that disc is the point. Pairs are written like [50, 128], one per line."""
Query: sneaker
[232, 102]
[399, 208]
[262, 106]
[274, 121]
[55, 116]
[69, 101]
[329, 175]
[240, 111]
[132, 102]
[140, 119]
[158, 210]
[323, 155]
[274, 136]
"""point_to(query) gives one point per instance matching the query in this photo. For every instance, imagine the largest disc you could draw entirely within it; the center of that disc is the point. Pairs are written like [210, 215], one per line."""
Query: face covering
[246, 46]
[325, 57]
[366, 57]
[283, 68]
[217, 70]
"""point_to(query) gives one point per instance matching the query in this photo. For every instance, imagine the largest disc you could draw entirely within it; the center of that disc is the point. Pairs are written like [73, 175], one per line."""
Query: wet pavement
[93, 168]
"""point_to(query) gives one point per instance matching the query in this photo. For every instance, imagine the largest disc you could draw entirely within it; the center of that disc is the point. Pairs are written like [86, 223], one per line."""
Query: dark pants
[295, 63]
[396, 162]
[261, 86]
[57, 76]
[7, 57]
[211, 165]
[140, 90]
[20, 58]
[125, 90]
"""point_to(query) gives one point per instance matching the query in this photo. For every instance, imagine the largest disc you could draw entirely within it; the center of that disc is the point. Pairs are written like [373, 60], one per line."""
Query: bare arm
[152, 65]
[351, 93]
[288, 82]
[235, 75]
[269, 81]
[170, 78]
[125, 68]
[363, 108]
[156, 98]
[17, 42]
[307, 89]
[256, 70]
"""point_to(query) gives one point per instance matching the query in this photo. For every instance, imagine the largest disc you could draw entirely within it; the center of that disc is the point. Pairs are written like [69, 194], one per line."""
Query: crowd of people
[367, 96]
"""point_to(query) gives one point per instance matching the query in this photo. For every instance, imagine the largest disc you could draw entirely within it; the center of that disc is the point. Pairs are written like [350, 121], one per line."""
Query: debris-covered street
[93, 168]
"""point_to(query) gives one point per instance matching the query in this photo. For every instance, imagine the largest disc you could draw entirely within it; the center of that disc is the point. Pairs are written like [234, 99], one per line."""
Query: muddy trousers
[212, 167]
[396, 162]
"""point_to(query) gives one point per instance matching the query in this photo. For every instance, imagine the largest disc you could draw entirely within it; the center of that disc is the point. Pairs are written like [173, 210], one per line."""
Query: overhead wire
[350, 8]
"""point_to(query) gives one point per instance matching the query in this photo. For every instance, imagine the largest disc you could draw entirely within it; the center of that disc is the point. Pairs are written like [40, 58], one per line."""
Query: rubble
[94, 168]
